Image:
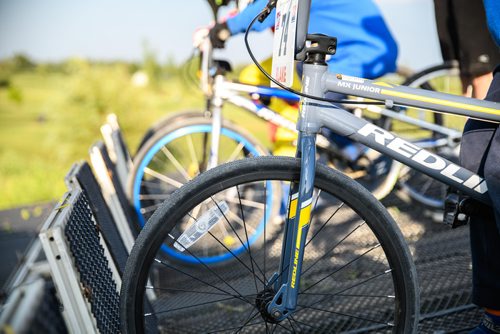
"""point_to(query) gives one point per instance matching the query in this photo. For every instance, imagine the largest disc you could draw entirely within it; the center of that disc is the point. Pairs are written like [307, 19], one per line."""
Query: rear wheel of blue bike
[176, 154]
[357, 276]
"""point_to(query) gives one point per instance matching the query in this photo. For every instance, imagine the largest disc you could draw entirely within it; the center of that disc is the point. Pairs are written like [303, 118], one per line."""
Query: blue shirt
[492, 8]
[365, 47]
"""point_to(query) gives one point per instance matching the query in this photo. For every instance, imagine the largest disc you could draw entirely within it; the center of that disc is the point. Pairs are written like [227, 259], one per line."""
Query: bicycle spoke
[193, 277]
[157, 159]
[324, 224]
[176, 163]
[162, 177]
[192, 153]
[207, 267]
[351, 296]
[333, 248]
[152, 185]
[236, 257]
[280, 325]
[291, 325]
[246, 202]
[388, 271]
[349, 288]
[235, 152]
[150, 208]
[232, 328]
[160, 197]
[190, 306]
[240, 222]
[315, 204]
[344, 266]
[351, 316]
[301, 323]
[246, 236]
[250, 318]
[189, 291]
[237, 236]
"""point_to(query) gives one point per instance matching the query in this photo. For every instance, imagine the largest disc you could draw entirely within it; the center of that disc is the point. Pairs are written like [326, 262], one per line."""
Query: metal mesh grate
[102, 215]
[443, 261]
[95, 275]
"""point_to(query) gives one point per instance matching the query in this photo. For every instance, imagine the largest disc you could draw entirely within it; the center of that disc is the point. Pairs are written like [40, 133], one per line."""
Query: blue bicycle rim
[201, 128]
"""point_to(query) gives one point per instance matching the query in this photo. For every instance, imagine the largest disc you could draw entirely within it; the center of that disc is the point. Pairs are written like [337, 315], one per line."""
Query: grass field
[49, 120]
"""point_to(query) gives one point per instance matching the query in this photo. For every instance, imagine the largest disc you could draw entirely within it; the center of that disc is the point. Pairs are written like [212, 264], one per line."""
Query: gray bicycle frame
[226, 91]
[314, 115]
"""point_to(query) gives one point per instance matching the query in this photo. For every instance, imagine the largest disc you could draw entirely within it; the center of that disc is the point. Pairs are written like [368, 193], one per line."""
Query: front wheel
[357, 272]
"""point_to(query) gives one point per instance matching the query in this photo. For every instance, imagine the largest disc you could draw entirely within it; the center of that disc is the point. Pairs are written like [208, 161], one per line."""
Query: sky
[52, 30]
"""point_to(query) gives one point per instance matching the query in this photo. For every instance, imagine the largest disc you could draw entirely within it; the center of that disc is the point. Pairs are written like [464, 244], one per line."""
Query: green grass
[59, 115]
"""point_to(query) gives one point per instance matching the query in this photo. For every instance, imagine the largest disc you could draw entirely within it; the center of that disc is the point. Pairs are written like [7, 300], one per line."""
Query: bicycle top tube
[413, 97]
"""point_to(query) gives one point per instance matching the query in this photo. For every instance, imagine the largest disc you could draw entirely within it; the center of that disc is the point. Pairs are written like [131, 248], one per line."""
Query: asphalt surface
[18, 228]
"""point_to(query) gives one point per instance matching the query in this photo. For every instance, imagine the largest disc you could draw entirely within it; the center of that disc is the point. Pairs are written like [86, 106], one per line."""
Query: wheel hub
[262, 302]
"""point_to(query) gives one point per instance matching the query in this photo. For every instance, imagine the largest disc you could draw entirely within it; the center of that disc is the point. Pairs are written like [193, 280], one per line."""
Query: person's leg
[480, 152]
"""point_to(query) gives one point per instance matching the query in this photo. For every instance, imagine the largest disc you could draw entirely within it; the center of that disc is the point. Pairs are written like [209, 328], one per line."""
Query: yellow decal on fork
[293, 206]
[305, 215]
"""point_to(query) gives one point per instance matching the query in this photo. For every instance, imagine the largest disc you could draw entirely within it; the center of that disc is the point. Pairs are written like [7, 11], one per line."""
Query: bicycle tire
[147, 192]
[145, 261]
[418, 186]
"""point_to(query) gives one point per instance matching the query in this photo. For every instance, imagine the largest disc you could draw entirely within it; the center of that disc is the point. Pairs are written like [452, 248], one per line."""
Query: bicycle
[287, 289]
[183, 145]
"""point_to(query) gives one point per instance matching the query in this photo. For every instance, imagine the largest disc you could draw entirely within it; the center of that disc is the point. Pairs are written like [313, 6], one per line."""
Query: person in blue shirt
[365, 48]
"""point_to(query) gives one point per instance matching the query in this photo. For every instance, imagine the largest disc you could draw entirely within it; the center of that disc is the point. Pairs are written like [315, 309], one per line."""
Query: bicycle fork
[300, 204]
[286, 282]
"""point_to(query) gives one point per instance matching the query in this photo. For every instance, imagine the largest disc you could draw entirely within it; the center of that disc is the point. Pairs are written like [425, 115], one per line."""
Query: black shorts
[464, 36]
